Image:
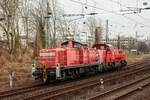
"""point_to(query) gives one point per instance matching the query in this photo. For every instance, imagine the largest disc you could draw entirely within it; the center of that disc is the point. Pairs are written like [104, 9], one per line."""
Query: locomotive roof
[70, 40]
[73, 42]
[51, 49]
[102, 44]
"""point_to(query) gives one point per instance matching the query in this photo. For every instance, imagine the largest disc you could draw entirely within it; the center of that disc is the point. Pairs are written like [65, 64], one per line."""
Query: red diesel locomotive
[74, 59]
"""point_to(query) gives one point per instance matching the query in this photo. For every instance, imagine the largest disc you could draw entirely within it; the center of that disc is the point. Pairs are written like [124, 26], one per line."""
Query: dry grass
[135, 58]
[22, 64]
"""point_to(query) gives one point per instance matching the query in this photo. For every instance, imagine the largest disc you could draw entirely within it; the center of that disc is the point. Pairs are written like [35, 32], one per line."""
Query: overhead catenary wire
[113, 12]
[129, 9]
[146, 19]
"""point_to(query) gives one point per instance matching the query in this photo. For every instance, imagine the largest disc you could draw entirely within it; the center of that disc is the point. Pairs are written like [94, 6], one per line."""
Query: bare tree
[9, 13]
[25, 17]
[48, 23]
[41, 20]
[38, 14]
[92, 24]
[57, 26]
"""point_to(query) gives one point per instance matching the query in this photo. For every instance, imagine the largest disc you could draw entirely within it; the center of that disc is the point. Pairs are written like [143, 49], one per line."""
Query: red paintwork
[72, 56]
[74, 53]
[92, 56]
[84, 56]
[53, 60]
[102, 55]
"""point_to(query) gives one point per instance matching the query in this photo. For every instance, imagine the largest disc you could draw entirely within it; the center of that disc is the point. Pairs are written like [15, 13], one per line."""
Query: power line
[119, 23]
[122, 5]
[146, 19]
[133, 20]
[133, 10]
[117, 2]
[92, 6]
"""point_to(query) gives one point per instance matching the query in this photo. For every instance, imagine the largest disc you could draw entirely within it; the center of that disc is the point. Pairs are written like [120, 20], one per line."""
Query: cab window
[77, 45]
[64, 45]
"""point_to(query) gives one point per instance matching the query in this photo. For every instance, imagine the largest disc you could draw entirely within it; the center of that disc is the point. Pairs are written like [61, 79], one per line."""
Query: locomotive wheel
[110, 66]
[103, 67]
[64, 75]
[74, 74]
[125, 63]
[119, 67]
[44, 78]
[113, 65]
[106, 67]
[77, 73]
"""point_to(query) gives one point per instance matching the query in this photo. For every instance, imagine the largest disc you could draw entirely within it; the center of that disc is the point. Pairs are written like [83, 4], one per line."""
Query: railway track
[59, 90]
[119, 92]
[34, 87]
[19, 91]
[135, 91]
[64, 90]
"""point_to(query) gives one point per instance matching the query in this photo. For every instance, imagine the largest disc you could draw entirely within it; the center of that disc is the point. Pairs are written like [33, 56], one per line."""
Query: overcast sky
[125, 24]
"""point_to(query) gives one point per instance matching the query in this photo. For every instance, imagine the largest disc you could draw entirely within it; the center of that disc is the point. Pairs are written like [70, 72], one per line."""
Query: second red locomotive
[74, 59]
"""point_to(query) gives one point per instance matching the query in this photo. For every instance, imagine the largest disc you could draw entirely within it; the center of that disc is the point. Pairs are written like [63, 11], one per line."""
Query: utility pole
[47, 19]
[97, 35]
[136, 36]
[54, 22]
[119, 44]
[107, 38]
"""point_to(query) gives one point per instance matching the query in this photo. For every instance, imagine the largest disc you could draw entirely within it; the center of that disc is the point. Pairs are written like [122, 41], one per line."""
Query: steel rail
[64, 90]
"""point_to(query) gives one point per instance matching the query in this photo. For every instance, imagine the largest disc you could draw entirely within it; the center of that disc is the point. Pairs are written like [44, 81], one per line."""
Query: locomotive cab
[78, 52]
[48, 60]
[113, 58]
[72, 44]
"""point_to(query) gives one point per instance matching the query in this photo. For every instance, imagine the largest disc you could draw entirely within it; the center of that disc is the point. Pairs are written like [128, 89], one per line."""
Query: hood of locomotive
[49, 57]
